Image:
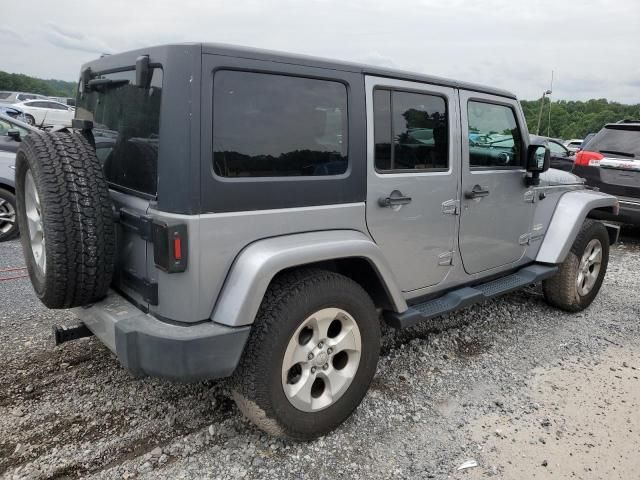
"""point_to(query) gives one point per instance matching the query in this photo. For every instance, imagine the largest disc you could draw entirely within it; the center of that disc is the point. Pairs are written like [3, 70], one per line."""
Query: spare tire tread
[77, 216]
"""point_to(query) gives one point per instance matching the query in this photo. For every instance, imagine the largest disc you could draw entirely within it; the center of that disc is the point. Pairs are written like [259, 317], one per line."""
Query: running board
[466, 296]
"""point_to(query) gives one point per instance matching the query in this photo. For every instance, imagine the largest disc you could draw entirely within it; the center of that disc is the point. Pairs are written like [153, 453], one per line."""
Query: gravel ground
[523, 390]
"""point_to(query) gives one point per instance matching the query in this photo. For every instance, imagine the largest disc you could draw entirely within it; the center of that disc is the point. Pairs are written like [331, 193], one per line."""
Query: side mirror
[14, 134]
[538, 161]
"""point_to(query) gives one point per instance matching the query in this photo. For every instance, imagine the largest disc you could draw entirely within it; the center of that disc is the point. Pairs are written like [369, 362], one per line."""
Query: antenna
[550, 92]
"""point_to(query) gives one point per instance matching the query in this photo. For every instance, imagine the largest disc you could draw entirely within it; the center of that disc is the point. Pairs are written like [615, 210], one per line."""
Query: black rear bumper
[146, 345]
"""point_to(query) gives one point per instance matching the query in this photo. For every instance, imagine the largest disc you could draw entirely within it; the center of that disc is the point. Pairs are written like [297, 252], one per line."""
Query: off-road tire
[77, 219]
[560, 290]
[10, 199]
[290, 299]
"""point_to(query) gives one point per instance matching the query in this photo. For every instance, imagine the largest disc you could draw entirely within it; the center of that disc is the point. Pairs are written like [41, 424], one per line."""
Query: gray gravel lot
[524, 390]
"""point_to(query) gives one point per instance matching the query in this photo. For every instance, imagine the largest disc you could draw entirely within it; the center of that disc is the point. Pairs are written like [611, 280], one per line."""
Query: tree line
[24, 83]
[575, 119]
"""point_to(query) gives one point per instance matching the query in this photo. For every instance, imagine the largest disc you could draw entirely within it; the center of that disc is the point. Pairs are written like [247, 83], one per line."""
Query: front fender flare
[256, 265]
[568, 217]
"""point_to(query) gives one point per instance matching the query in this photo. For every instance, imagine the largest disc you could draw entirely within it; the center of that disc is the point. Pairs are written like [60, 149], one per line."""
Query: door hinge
[145, 287]
[136, 223]
[524, 239]
[451, 207]
[445, 259]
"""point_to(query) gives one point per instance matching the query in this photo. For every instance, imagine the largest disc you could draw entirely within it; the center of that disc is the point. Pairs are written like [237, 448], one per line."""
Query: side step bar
[466, 296]
[67, 334]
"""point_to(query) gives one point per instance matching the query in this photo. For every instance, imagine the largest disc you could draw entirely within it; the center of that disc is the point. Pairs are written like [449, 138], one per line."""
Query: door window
[37, 104]
[495, 141]
[268, 125]
[557, 149]
[410, 131]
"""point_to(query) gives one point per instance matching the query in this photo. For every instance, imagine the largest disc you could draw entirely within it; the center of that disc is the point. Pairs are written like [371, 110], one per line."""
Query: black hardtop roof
[109, 61]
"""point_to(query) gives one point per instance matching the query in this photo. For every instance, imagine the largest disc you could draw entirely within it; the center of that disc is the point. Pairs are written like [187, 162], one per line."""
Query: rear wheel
[8, 219]
[311, 356]
[580, 277]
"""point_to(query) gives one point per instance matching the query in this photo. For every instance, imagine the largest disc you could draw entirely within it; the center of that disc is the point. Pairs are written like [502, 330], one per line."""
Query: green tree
[25, 83]
[575, 119]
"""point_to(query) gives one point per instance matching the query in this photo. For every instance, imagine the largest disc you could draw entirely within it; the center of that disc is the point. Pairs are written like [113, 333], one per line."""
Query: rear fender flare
[256, 265]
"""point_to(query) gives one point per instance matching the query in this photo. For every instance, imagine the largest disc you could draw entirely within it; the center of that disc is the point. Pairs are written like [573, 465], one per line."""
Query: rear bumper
[148, 346]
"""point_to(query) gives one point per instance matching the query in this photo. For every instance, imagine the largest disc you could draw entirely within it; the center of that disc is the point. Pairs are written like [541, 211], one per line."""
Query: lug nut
[329, 350]
[325, 366]
[313, 369]
[310, 356]
[320, 345]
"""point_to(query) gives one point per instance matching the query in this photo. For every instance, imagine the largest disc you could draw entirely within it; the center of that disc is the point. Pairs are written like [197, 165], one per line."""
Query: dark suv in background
[611, 162]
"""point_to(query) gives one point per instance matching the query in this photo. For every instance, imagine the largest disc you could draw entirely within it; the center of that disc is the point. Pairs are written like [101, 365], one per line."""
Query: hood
[559, 177]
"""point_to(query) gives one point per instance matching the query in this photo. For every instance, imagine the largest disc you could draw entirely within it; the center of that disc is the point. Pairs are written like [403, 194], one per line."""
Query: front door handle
[395, 199]
[476, 192]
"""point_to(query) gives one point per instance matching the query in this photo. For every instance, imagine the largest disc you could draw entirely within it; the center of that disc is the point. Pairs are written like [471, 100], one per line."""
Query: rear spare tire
[66, 217]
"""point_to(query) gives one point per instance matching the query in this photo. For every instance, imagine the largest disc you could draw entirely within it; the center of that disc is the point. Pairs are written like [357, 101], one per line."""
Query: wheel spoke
[301, 390]
[2, 202]
[320, 322]
[298, 355]
[596, 255]
[345, 341]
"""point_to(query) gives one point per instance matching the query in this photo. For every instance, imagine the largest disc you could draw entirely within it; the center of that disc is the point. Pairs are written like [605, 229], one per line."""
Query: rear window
[126, 127]
[618, 140]
[267, 125]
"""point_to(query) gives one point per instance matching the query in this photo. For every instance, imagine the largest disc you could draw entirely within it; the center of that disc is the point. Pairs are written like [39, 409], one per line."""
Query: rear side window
[410, 131]
[126, 127]
[618, 140]
[494, 136]
[4, 95]
[268, 125]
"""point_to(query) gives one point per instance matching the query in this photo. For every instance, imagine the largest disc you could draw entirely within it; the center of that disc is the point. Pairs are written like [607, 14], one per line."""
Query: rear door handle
[395, 199]
[476, 192]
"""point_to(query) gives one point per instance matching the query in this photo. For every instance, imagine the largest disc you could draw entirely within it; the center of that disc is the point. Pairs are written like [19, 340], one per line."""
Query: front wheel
[580, 276]
[311, 356]
[30, 120]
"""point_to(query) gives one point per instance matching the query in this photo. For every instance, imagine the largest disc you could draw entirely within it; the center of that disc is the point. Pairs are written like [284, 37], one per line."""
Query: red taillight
[586, 158]
[177, 248]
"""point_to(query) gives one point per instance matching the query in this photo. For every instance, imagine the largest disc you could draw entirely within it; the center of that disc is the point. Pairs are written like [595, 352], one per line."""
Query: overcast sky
[592, 45]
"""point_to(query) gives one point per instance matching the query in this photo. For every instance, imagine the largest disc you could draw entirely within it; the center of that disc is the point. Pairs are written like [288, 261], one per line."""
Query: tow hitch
[67, 334]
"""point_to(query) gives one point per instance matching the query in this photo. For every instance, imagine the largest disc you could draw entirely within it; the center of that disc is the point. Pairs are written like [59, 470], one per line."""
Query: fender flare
[256, 265]
[570, 213]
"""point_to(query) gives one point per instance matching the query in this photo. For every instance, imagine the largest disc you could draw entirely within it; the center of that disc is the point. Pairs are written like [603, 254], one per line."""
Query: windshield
[126, 127]
[618, 140]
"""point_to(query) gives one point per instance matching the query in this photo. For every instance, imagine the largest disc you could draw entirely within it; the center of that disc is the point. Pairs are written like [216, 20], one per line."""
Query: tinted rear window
[126, 127]
[620, 140]
[268, 125]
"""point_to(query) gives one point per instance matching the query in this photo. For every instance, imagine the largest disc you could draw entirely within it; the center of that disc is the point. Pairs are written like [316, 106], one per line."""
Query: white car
[47, 112]
[574, 144]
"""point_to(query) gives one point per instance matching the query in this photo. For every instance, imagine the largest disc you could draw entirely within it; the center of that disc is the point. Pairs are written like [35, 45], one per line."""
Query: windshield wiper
[615, 152]
[100, 83]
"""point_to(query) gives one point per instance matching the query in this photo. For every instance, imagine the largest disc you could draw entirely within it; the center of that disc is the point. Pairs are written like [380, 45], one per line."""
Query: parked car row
[39, 110]
[11, 132]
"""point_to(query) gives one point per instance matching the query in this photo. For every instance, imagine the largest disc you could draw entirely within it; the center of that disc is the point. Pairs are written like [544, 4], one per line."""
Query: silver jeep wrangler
[220, 211]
